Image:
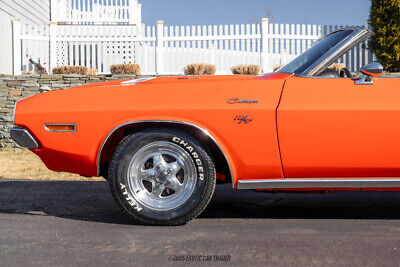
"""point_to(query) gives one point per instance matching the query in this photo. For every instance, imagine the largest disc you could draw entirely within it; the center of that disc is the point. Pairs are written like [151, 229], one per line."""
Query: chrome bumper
[23, 138]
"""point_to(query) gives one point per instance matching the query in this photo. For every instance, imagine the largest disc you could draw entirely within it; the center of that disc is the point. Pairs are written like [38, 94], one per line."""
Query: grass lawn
[26, 165]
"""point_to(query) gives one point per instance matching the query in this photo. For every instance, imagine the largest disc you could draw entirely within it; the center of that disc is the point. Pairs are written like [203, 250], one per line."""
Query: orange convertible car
[163, 142]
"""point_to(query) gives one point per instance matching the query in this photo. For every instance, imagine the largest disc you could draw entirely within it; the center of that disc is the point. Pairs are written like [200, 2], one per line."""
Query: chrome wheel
[161, 176]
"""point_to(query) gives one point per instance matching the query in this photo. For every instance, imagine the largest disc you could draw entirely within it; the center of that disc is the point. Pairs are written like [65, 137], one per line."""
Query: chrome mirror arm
[365, 80]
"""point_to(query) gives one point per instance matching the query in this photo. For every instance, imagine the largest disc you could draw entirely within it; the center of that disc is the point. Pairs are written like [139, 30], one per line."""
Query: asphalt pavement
[77, 223]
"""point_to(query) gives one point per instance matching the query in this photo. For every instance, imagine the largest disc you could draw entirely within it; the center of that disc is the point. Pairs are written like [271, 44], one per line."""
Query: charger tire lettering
[193, 154]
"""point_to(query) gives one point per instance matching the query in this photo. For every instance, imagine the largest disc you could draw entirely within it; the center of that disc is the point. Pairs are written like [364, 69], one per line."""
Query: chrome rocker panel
[319, 183]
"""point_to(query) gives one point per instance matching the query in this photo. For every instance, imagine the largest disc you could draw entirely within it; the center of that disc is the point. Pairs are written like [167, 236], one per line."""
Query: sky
[200, 12]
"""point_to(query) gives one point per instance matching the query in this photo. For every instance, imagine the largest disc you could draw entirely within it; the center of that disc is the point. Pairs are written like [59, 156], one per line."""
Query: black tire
[121, 179]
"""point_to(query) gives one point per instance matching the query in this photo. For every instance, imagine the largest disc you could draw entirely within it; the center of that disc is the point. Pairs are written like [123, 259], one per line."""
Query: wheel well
[221, 163]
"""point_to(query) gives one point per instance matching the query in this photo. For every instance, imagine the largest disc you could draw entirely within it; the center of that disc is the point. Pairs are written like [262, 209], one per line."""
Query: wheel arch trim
[204, 131]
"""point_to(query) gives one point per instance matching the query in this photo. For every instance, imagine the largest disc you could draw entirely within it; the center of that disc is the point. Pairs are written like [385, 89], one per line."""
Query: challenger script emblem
[240, 101]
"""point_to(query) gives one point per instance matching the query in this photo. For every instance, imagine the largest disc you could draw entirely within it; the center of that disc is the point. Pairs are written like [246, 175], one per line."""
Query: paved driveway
[75, 223]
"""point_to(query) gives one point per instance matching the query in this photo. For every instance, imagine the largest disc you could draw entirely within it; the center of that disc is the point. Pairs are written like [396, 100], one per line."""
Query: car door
[335, 128]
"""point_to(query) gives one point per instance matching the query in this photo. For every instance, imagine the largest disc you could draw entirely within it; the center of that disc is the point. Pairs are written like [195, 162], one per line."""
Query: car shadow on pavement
[92, 201]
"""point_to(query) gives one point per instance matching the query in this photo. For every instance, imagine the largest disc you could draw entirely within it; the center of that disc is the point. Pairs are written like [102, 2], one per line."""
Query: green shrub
[131, 69]
[200, 69]
[246, 69]
[385, 40]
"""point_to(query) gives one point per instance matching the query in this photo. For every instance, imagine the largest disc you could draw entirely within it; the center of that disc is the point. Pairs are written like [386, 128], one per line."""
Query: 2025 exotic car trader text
[163, 142]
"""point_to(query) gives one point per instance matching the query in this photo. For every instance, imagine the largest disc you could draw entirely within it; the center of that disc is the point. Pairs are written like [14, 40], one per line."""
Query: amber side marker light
[62, 128]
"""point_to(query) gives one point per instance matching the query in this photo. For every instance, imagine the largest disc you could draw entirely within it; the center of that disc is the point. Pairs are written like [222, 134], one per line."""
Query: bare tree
[265, 12]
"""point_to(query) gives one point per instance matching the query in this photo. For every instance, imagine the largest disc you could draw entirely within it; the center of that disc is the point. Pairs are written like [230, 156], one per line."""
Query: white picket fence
[167, 49]
[97, 11]
[31, 43]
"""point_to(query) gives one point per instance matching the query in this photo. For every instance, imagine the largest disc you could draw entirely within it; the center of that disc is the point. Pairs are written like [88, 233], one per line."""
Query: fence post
[159, 47]
[264, 51]
[17, 52]
[54, 10]
[213, 52]
[135, 13]
[53, 45]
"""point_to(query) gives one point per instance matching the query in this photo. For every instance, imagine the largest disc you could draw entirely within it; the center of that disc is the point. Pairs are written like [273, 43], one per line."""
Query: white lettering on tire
[192, 153]
[128, 198]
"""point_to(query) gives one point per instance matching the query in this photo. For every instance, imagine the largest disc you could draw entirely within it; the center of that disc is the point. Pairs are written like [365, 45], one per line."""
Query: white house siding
[6, 54]
[28, 11]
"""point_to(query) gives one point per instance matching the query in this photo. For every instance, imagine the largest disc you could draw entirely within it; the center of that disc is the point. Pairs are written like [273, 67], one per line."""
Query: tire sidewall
[119, 175]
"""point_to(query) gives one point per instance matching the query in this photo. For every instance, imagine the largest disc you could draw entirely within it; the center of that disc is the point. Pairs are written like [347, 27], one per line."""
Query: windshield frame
[357, 36]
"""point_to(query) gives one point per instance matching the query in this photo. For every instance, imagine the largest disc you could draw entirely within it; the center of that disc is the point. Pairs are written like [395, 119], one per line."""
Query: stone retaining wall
[14, 88]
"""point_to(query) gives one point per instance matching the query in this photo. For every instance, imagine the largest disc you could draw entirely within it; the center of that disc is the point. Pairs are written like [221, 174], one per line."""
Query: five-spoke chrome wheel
[161, 176]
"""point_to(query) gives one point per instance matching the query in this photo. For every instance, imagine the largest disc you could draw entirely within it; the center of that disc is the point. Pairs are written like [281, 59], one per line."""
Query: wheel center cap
[162, 175]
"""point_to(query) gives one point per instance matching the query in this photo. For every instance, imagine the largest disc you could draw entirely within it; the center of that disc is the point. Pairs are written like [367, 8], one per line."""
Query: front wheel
[161, 177]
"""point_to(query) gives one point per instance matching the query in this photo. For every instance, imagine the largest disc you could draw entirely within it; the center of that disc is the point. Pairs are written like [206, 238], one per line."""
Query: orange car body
[278, 126]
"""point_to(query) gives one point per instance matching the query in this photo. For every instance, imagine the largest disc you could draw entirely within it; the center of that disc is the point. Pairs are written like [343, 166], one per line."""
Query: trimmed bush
[337, 67]
[82, 70]
[385, 39]
[92, 72]
[277, 67]
[131, 69]
[246, 69]
[28, 72]
[200, 69]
